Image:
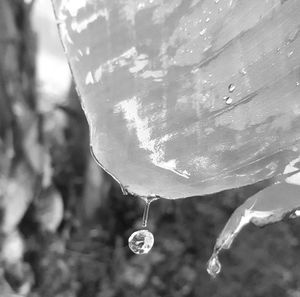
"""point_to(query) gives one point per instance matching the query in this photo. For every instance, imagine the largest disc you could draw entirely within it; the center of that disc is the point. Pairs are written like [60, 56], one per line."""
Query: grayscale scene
[149, 148]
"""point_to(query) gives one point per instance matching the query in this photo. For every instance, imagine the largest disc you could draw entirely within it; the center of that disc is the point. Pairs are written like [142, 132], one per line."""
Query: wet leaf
[153, 76]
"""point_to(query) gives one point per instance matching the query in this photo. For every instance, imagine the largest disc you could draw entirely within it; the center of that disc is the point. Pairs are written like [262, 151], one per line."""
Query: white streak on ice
[130, 108]
[79, 26]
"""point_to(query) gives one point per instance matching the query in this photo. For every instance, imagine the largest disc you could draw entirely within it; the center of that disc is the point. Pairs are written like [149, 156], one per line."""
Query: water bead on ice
[231, 88]
[228, 100]
[243, 71]
[141, 242]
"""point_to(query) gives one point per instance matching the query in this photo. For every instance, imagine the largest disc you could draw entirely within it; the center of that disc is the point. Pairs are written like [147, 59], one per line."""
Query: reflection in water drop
[141, 242]
[214, 266]
[231, 88]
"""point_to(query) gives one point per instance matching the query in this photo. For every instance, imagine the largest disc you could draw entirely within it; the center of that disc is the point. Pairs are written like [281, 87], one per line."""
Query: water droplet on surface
[297, 84]
[203, 31]
[293, 36]
[243, 71]
[231, 88]
[290, 53]
[207, 20]
[141, 242]
[214, 266]
[228, 100]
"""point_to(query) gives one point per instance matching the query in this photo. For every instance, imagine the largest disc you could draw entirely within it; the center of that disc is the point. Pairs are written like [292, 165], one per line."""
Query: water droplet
[207, 20]
[243, 71]
[290, 53]
[141, 242]
[217, 1]
[203, 31]
[228, 100]
[214, 266]
[231, 88]
[293, 36]
[297, 84]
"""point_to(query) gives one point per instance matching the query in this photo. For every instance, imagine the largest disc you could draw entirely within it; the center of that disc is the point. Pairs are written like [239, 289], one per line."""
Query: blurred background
[65, 223]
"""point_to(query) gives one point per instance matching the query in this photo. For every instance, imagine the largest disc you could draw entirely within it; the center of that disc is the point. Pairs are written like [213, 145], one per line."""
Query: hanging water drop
[231, 88]
[214, 266]
[141, 242]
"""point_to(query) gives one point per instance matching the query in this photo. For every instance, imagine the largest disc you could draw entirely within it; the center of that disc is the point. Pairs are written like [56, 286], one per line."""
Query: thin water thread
[146, 213]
